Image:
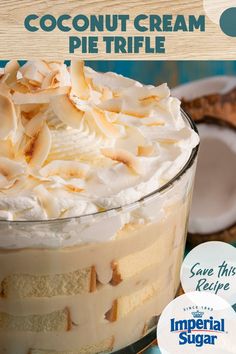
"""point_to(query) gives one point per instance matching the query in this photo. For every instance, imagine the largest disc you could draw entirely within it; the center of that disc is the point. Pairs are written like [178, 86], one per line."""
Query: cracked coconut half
[212, 104]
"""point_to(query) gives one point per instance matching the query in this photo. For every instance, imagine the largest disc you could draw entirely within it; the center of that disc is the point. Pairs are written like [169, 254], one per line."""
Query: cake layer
[130, 241]
[134, 263]
[125, 331]
[102, 347]
[58, 321]
[82, 304]
[25, 285]
[124, 305]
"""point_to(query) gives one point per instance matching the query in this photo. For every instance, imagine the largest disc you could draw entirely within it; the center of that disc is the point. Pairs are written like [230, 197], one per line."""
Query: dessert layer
[26, 285]
[102, 347]
[58, 321]
[126, 330]
[145, 258]
[88, 294]
[74, 141]
[59, 234]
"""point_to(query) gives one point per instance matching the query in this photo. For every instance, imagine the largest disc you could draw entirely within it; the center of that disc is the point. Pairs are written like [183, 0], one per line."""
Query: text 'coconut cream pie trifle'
[96, 175]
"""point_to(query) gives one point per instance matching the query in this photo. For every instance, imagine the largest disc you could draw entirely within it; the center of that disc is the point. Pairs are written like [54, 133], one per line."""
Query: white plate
[210, 85]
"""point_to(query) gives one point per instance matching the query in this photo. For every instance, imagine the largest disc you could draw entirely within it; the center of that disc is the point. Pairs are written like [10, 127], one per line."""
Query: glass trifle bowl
[95, 282]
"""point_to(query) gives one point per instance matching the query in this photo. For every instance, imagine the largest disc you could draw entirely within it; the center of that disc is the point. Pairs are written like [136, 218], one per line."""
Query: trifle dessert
[96, 175]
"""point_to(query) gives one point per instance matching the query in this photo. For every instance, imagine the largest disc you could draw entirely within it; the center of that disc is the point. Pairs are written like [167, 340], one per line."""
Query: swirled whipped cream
[74, 141]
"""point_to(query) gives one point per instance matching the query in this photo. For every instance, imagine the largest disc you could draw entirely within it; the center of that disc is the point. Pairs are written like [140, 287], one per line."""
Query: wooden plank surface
[17, 42]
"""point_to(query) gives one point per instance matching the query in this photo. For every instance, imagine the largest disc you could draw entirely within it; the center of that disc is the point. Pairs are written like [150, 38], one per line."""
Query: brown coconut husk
[228, 235]
[216, 106]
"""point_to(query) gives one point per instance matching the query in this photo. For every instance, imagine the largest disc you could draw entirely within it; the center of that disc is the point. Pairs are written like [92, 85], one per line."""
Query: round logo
[211, 267]
[197, 322]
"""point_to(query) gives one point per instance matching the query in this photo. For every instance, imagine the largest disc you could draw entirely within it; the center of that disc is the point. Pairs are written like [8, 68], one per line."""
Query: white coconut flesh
[214, 200]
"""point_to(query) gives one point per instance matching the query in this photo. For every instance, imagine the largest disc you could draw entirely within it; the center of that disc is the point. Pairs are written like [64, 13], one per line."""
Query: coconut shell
[216, 105]
[228, 235]
[217, 109]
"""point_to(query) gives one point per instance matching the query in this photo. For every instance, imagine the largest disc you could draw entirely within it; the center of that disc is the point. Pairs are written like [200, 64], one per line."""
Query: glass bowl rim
[127, 206]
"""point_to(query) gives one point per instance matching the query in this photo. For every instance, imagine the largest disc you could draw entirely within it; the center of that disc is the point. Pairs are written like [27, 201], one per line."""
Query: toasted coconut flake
[145, 150]
[28, 108]
[107, 128]
[33, 75]
[155, 124]
[148, 100]
[28, 112]
[113, 105]
[35, 84]
[125, 106]
[9, 171]
[73, 189]
[51, 80]
[168, 141]
[51, 62]
[125, 157]
[48, 202]
[20, 86]
[34, 125]
[65, 169]
[39, 96]
[78, 80]
[11, 70]
[3, 79]
[147, 94]
[66, 111]
[8, 117]
[73, 185]
[63, 76]
[6, 149]
[35, 70]
[38, 147]
[106, 94]
[5, 89]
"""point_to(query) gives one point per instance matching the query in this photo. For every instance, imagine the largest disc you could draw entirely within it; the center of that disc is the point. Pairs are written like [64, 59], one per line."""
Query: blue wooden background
[172, 72]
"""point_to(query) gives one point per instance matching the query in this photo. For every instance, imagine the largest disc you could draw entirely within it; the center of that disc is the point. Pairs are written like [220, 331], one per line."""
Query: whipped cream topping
[74, 141]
